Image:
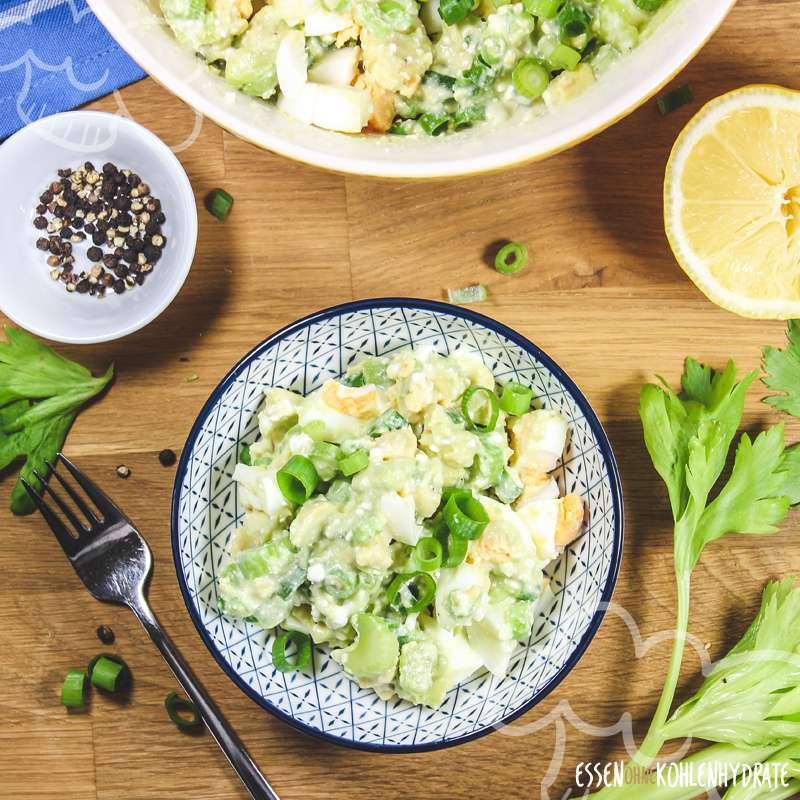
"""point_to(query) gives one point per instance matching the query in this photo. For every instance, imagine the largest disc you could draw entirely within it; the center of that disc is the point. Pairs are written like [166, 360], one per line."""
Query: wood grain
[602, 295]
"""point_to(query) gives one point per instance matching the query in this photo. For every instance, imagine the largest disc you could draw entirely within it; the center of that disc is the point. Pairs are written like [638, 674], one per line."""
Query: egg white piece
[291, 64]
[324, 23]
[338, 67]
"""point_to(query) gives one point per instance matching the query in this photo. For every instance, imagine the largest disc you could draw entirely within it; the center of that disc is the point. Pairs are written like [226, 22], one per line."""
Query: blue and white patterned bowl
[323, 700]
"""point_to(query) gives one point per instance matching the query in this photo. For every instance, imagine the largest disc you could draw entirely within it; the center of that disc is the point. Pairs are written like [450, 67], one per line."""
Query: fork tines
[68, 539]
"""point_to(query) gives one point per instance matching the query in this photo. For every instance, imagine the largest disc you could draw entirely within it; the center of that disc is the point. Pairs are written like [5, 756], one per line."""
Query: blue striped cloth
[55, 55]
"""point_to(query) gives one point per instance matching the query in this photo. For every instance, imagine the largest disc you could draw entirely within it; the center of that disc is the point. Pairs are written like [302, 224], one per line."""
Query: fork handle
[226, 738]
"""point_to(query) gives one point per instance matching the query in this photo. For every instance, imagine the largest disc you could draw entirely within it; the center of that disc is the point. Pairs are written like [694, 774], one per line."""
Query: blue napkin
[55, 55]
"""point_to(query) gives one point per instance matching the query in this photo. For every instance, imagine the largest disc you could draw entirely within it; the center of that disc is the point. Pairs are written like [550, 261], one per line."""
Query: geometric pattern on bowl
[322, 700]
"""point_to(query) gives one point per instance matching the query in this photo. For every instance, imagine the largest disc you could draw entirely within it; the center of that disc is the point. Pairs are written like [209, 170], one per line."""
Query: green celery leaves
[782, 368]
[41, 393]
[689, 436]
[706, 414]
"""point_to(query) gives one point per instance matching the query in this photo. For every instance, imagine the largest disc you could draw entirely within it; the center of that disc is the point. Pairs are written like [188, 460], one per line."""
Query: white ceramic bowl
[139, 28]
[29, 162]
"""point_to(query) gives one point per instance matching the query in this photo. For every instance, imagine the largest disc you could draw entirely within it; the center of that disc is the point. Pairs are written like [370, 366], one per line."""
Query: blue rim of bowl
[539, 355]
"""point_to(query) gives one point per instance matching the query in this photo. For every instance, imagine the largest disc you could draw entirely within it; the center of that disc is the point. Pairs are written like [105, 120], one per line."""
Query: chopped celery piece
[468, 294]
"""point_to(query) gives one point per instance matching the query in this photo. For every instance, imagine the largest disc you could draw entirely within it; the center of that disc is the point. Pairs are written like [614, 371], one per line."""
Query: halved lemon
[732, 201]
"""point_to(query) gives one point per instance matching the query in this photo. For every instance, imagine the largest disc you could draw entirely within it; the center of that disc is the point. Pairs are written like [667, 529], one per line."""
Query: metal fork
[114, 563]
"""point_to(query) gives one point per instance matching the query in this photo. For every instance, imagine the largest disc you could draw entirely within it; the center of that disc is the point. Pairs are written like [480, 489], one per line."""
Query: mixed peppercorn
[115, 211]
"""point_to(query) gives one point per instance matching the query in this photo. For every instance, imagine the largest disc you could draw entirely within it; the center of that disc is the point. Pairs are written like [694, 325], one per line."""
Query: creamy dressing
[327, 566]
[404, 69]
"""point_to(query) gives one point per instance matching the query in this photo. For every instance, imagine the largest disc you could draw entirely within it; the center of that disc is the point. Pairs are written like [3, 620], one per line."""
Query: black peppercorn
[167, 458]
[152, 253]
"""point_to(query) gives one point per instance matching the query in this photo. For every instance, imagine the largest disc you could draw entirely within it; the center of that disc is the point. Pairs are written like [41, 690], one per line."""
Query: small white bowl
[29, 162]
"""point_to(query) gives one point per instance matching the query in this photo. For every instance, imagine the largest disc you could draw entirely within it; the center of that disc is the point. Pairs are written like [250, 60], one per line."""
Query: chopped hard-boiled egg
[367, 559]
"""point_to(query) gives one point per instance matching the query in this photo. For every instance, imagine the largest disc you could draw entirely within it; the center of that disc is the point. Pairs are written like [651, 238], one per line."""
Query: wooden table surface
[602, 295]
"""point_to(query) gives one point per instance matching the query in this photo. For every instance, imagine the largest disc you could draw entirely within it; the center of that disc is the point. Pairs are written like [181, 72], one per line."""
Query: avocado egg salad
[402, 515]
[410, 67]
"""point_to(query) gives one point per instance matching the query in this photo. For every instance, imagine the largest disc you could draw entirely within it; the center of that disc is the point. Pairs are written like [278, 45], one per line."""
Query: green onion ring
[219, 203]
[465, 515]
[281, 661]
[353, 463]
[426, 595]
[455, 550]
[297, 479]
[530, 78]
[109, 672]
[668, 102]
[494, 403]
[428, 553]
[511, 258]
[174, 704]
[73, 690]
[516, 398]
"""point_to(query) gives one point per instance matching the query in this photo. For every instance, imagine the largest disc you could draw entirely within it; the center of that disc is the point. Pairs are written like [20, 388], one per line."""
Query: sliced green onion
[420, 584]
[494, 408]
[352, 380]
[465, 515]
[73, 690]
[546, 9]
[390, 420]
[516, 398]
[455, 550]
[404, 127]
[281, 661]
[466, 116]
[434, 124]
[649, 5]
[297, 479]
[670, 101]
[468, 294]
[480, 74]
[428, 553]
[446, 81]
[219, 203]
[453, 11]
[530, 78]
[573, 20]
[108, 672]
[353, 463]
[511, 258]
[564, 57]
[244, 456]
[177, 706]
